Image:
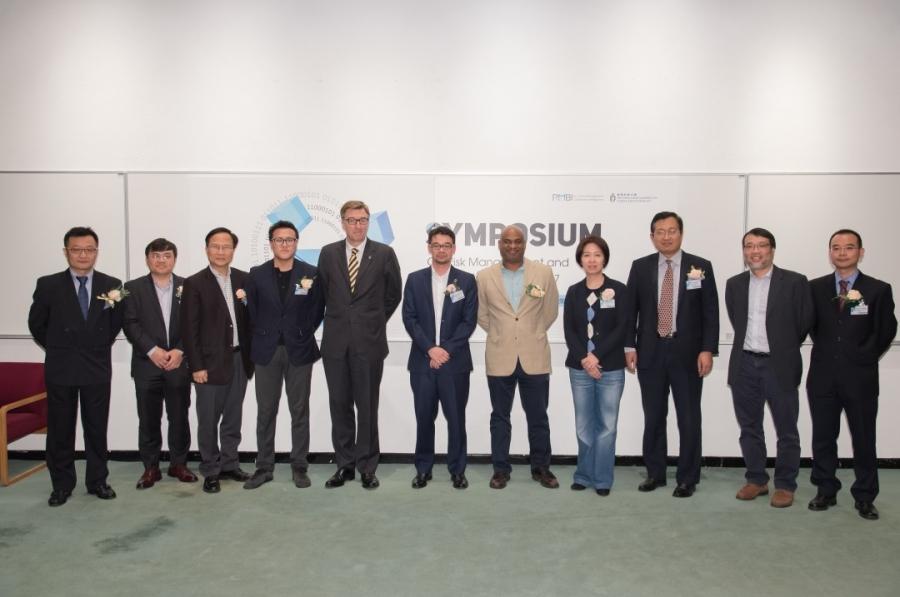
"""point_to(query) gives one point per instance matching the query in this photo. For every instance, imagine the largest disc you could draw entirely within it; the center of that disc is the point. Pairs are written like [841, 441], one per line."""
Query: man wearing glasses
[440, 311]
[285, 307]
[216, 334]
[75, 318]
[158, 365]
[361, 284]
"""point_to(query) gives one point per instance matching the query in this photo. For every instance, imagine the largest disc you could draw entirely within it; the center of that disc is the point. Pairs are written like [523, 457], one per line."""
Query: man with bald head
[517, 303]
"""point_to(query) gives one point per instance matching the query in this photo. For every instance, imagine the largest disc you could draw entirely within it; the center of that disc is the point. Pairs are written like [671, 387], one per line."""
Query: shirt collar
[676, 259]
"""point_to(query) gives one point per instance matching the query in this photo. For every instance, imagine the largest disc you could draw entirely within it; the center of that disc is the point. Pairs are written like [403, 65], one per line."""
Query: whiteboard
[38, 209]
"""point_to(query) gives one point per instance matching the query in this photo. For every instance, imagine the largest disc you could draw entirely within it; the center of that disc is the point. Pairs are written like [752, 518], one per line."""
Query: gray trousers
[269, 380]
[219, 414]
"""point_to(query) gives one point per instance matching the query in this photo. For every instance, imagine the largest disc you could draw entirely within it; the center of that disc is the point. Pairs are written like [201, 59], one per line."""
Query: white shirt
[438, 288]
[359, 249]
[228, 293]
[757, 340]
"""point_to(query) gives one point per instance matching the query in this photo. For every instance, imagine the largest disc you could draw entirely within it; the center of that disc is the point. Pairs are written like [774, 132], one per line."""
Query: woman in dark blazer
[595, 322]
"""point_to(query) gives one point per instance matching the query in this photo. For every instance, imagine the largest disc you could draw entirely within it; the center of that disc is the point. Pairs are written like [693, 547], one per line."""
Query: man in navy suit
[158, 365]
[440, 312]
[771, 312]
[285, 309]
[673, 335]
[75, 317]
[855, 324]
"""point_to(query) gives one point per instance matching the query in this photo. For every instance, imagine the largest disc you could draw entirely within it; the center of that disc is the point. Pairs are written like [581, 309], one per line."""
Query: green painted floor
[524, 540]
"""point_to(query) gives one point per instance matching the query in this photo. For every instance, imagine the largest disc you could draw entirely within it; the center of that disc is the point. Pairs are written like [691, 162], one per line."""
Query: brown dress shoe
[149, 478]
[499, 480]
[545, 478]
[751, 491]
[182, 473]
[782, 498]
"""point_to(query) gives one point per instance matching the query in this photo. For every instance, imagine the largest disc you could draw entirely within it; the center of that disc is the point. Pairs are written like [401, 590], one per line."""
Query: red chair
[23, 411]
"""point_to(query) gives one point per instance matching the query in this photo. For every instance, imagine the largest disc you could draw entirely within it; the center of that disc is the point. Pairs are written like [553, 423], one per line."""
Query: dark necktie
[664, 310]
[353, 269]
[844, 285]
[83, 301]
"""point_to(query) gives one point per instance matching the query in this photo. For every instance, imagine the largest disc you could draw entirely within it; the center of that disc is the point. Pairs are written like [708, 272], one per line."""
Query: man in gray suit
[361, 284]
[771, 312]
[157, 363]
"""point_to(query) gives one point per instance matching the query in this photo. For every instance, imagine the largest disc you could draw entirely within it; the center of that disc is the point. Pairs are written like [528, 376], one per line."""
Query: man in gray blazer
[771, 312]
[157, 363]
[361, 284]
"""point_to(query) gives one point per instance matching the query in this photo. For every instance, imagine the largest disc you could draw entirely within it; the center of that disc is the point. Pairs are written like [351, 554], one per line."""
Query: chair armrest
[13, 405]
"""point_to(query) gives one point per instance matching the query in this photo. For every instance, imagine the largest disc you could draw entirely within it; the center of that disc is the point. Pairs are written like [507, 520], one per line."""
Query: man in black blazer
[673, 333]
[855, 325]
[215, 330]
[771, 312]
[360, 280]
[75, 318]
[158, 365]
[285, 308]
[440, 312]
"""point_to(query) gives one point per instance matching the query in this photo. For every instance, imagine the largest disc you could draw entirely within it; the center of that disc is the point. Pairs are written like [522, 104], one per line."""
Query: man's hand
[438, 354]
[175, 359]
[159, 357]
[201, 376]
[704, 363]
[631, 361]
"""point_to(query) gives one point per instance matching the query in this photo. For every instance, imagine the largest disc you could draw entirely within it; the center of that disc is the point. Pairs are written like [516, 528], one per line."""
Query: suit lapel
[174, 321]
[149, 290]
[427, 291]
[497, 277]
[681, 282]
[775, 291]
[364, 266]
[99, 286]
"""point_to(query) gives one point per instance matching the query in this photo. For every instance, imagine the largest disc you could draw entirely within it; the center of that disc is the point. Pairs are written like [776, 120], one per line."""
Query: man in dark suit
[215, 330]
[673, 334]
[285, 308]
[771, 312]
[440, 312]
[361, 284]
[855, 324]
[157, 363]
[75, 317]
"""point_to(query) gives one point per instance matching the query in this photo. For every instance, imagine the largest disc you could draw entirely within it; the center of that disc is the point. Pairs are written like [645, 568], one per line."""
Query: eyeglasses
[760, 246]
[162, 256]
[284, 241]
[355, 221]
[81, 251]
[439, 246]
[670, 232]
[223, 248]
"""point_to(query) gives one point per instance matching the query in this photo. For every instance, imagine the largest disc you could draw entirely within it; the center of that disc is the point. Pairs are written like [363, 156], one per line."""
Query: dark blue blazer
[458, 320]
[297, 319]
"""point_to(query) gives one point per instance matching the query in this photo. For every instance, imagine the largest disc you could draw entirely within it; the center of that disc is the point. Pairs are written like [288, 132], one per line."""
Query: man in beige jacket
[517, 303]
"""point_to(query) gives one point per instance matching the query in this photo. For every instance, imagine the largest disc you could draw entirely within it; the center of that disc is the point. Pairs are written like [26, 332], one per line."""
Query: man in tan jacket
[517, 303]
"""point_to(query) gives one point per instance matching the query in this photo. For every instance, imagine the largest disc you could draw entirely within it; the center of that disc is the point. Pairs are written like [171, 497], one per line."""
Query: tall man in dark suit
[673, 335]
[360, 279]
[75, 317]
[215, 330]
[855, 324]
[158, 366]
[440, 312]
[771, 312]
[285, 308]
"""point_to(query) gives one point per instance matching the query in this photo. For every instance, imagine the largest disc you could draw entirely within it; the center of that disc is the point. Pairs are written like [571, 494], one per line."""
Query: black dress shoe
[235, 474]
[867, 510]
[603, 492]
[211, 484]
[459, 481]
[103, 491]
[370, 481]
[822, 502]
[684, 490]
[259, 477]
[499, 480]
[650, 484]
[419, 481]
[577, 487]
[339, 477]
[58, 497]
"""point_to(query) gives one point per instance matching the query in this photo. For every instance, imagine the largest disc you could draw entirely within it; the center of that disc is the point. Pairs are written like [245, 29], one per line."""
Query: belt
[759, 355]
[671, 336]
[236, 349]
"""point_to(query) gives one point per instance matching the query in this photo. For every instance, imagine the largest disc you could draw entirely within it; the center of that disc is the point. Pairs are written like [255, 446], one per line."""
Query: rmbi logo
[293, 210]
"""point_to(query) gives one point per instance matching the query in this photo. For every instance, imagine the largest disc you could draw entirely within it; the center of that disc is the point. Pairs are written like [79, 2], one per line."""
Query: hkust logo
[317, 217]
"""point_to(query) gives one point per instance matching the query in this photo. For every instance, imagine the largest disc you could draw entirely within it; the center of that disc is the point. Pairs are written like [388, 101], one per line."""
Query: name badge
[611, 304]
[457, 296]
[693, 284]
[301, 291]
[860, 309]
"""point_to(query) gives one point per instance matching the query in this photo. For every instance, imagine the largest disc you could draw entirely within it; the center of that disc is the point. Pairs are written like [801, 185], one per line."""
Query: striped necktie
[353, 269]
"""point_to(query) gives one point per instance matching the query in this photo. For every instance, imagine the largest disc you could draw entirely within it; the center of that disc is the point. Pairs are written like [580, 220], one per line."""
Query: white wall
[470, 86]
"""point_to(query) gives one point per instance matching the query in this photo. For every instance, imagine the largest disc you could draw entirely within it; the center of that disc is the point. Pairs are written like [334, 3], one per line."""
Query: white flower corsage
[113, 296]
[534, 290]
[608, 294]
[305, 283]
[241, 295]
[696, 274]
[452, 287]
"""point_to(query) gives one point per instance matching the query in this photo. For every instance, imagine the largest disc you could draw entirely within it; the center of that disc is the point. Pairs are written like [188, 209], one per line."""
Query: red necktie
[664, 310]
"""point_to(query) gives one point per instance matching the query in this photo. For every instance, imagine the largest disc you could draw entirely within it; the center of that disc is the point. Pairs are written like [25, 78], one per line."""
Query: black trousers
[861, 408]
[534, 393]
[62, 414]
[669, 372]
[354, 381]
[152, 394]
